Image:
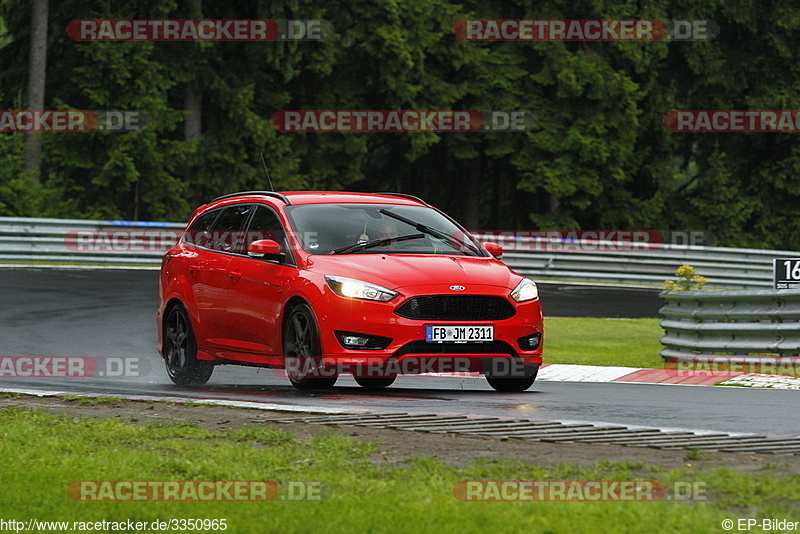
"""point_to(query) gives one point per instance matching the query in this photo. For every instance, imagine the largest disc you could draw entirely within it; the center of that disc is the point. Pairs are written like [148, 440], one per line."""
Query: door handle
[234, 275]
[195, 268]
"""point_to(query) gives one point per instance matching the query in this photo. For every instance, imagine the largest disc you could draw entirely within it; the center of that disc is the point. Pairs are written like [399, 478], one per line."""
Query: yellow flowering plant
[687, 280]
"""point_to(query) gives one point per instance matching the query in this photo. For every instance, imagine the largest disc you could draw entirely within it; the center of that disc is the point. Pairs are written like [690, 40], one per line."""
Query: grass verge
[616, 342]
[44, 453]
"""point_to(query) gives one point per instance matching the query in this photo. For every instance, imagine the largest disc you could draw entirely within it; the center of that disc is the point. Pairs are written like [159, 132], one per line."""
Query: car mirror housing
[266, 249]
[494, 249]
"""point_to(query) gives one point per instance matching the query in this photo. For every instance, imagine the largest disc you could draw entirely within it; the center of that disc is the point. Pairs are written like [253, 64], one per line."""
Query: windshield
[378, 229]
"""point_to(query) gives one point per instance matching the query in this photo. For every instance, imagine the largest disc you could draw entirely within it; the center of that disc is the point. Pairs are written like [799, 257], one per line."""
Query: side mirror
[494, 249]
[266, 249]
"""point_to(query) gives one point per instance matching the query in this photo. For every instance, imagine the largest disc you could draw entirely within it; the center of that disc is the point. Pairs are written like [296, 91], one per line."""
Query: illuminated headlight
[348, 287]
[525, 290]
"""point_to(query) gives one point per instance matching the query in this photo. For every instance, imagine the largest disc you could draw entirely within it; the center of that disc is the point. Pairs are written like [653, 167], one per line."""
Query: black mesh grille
[456, 308]
[423, 347]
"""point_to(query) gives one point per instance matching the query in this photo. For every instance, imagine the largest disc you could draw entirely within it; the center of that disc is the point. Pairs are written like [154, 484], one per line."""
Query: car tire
[514, 383]
[302, 351]
[180, 351]
[375, 382]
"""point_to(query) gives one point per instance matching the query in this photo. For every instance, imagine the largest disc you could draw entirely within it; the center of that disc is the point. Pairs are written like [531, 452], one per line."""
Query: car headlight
[348, 287]
[525, 290]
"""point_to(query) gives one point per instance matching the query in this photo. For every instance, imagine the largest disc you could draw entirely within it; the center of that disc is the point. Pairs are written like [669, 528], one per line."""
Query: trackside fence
[77, 241]
[639, 263]
[743, 326]
[80, 241]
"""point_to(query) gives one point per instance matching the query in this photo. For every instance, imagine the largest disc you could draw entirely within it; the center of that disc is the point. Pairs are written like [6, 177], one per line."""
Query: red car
[323, 283]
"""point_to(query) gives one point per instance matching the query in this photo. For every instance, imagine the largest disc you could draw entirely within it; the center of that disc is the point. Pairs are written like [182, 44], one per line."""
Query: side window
[199, 233]
[228, 231]
[265, 225]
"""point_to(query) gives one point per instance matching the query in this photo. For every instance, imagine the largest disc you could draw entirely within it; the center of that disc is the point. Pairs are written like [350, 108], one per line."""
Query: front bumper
[407, 352]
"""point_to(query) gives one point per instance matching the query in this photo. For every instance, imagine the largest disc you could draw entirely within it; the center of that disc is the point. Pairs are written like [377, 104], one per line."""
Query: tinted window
[323, 228]
[265, 225]
[199, 233]
[228, 231]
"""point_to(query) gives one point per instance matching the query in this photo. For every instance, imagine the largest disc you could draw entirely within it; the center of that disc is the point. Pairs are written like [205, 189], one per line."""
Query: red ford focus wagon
[323, 283]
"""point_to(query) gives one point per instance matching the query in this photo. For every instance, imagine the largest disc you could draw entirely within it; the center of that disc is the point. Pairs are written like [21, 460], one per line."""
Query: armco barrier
[143, 243]
[80, 241]
[740, 325]
[638, 263]
[723, 267]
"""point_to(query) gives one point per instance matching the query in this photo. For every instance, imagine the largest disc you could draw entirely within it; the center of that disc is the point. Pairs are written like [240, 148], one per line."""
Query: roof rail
[412, 197]
[272, 194]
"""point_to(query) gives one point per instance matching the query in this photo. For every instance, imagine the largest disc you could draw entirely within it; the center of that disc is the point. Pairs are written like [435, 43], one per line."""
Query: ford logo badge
[458, 288]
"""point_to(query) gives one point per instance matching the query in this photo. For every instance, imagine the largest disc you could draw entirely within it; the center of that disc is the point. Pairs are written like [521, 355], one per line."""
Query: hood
[394, 271]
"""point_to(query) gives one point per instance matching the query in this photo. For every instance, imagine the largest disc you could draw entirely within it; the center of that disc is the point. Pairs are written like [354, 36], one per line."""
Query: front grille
[456, 308]
[423, 347]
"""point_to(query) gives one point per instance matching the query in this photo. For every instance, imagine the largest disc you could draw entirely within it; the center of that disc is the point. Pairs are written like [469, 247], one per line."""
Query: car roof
[324, 197]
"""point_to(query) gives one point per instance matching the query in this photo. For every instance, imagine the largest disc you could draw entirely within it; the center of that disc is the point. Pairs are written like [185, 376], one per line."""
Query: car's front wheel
[505, 383]
[180, 351]
[302, 352]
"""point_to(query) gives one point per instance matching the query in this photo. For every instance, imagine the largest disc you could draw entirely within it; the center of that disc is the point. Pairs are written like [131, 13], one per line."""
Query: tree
[37, 74]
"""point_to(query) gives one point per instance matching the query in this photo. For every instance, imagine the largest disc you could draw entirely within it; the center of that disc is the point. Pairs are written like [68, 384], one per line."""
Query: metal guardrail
[743, 324]
[648, 264]
[24, 240]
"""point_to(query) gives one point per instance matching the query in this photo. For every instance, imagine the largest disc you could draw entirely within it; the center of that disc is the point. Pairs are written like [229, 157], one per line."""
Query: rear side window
[265, 225]
[199, 233]
[228, 231]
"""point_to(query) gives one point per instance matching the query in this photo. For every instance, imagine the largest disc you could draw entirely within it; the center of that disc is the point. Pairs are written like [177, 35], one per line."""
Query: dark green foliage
[600, 158]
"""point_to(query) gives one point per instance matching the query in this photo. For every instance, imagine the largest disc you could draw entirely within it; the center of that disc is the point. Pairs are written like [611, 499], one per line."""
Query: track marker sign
[786, 273]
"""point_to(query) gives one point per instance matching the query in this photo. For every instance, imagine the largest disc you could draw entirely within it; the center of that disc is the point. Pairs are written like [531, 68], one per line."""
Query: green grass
[695, 454]
[44, 453]
[616, 342]
[91, 401]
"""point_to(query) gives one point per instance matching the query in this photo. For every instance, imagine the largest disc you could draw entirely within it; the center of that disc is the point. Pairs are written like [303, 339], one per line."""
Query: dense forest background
[600, 158]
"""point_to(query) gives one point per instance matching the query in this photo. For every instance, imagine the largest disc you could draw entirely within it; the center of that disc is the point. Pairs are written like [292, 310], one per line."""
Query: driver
[386, 229]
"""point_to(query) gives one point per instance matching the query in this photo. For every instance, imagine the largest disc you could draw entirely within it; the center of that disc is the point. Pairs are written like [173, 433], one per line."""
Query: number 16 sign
[787, 273]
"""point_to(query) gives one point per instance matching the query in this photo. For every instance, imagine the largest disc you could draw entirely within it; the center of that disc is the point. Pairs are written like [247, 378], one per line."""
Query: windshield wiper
[431, 231]
[375, 243]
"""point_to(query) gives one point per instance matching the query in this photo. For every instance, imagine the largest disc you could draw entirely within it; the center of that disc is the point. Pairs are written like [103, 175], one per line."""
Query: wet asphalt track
[109, 315]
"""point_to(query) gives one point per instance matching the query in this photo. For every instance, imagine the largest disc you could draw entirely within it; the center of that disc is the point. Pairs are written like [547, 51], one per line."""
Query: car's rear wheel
[507, 383]
[180, 351]
[375, 382]
[302, 351]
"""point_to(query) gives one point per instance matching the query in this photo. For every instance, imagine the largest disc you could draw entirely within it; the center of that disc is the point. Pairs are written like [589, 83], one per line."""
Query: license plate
[459, 334]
